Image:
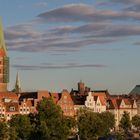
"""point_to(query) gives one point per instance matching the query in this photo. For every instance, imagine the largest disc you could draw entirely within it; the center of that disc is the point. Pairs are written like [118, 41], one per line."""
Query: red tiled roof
[102, 99]
[9, 95]
[115, 102]
[42, 93]
[127, 102]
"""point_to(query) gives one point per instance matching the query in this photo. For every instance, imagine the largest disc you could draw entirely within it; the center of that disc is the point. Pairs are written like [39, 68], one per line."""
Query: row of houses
[12, 103]
[18, 102]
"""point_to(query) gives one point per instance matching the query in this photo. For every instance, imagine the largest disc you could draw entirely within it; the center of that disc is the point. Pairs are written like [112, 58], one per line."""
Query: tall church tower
[4, 62]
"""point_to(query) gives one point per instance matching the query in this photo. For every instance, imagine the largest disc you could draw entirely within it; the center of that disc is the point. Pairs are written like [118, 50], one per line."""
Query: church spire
[17, 84]
[3, 51]
[4, 62]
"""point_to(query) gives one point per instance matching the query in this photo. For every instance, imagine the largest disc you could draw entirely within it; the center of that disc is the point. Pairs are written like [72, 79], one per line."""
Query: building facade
[118, 106]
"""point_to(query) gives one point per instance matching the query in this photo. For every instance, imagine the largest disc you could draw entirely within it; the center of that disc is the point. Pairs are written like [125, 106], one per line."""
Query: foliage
[108, 121]
[119, 135]
[136, 121]
[90, 125]
[125, 122]
[13, 135]
[50, 124]
[22, 126]
[70, 122]
[3, 131]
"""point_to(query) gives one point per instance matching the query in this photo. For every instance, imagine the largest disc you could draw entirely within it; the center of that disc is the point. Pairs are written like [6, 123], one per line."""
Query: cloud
[137, 43]
[135, 8]
[124, 1]
[98, 27]
[85, 13]
[51, 66]
[41, 4]
[66, 38]
[128, 5]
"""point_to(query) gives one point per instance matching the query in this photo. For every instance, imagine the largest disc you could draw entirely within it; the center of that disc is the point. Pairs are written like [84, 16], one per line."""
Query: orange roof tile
[127, 101]
[9, 95]
[102, 99]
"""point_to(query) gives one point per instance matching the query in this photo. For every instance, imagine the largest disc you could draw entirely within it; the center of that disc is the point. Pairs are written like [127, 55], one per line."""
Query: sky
[54, 44]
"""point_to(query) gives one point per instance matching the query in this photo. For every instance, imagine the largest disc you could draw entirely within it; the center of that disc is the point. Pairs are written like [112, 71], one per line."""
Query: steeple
[3, 51]
[17, 84]
[4, 62]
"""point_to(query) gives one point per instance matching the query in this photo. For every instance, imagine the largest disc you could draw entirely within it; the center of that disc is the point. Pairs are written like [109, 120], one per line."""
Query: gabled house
[27, 106]
[95, 102]
[66, 103]
[119, 105]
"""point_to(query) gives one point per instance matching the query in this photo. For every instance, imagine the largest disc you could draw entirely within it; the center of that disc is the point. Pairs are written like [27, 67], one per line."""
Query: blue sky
[53, 44]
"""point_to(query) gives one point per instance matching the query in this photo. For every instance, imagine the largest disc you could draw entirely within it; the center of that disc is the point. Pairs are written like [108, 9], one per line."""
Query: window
[11, 108]
[65, 97]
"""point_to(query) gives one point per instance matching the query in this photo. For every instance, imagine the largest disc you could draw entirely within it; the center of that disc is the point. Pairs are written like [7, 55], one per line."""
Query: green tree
[70, 123]
[125, 122]
[4, 135]
[90, 125]
[119, 135]
[136, 121]
[13, 135]
[22, 126]
[50, 122]
[108, 121]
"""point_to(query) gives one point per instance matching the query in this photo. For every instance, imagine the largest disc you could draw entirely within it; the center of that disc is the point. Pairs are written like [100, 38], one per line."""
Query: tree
[4, 135]
[90, 125]
[136, 121]
[13, 135]
[50, 122]
[22, 126]
[70, 123]
[125, 122]
[108, 121]
[119, 135]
